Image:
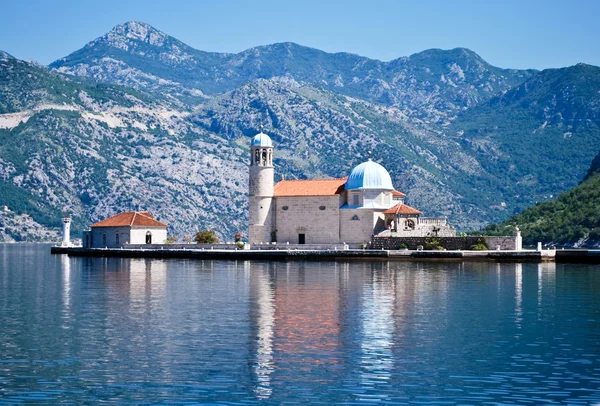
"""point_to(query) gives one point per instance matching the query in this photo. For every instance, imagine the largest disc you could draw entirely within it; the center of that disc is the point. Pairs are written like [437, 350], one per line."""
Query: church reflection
[306, 322]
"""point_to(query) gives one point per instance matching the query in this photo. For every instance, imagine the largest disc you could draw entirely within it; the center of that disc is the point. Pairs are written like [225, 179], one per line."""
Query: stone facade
[316, 217]
[449, 243]
[260, 189]
[359, 225]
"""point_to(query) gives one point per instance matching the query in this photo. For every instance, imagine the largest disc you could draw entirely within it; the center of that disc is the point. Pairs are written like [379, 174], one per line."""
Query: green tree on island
[206, 237]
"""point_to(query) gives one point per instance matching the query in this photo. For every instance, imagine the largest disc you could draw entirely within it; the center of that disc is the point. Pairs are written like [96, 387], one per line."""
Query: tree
[206, 237]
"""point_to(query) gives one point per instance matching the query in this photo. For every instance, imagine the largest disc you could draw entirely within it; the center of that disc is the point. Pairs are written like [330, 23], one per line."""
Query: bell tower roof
[261, 140]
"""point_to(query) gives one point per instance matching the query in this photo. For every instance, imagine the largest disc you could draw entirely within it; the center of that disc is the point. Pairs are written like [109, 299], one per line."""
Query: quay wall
[234, 246]
[504, 243]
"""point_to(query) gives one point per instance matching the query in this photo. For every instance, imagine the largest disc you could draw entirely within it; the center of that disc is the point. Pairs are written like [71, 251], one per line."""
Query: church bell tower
[260, 191]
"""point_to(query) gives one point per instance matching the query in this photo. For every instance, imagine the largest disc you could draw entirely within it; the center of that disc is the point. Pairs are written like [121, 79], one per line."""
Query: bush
[433, 243]
[206, 237]
[480, 246]
[238, 236]
[171, 239]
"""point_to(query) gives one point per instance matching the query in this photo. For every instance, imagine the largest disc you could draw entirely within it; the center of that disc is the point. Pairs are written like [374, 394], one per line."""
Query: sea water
[85, 330]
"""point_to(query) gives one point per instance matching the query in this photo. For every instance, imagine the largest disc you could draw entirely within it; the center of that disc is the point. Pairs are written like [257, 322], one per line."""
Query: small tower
[260, 192]
[66, 231]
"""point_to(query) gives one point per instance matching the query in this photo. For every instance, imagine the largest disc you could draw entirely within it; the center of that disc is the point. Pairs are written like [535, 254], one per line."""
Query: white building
[329, 211]
[134, 227]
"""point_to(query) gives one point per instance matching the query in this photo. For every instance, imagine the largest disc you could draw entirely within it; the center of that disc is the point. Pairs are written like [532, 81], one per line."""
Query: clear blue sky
[506, 33]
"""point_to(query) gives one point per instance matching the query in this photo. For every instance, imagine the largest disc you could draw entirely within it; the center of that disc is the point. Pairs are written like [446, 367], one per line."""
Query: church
[330, 211]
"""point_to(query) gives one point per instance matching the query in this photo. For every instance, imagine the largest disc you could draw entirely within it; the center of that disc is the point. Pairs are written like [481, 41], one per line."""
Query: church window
[321, 207]
[284, 208]
[355, 217]
[355, 200]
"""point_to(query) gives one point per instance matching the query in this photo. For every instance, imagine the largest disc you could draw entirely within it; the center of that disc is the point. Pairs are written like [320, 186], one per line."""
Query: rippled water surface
[84, 330]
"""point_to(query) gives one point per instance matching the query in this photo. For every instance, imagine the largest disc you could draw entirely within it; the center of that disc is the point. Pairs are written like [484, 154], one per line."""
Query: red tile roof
[401, 208]
[396, 193]
[317, 187]
[130, 219]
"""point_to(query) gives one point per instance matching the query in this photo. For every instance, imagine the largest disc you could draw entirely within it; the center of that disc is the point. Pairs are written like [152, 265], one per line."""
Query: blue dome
[261, 140]
[369, 175]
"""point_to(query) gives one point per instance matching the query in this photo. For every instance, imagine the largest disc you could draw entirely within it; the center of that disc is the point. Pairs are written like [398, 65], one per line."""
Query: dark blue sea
[140, 331]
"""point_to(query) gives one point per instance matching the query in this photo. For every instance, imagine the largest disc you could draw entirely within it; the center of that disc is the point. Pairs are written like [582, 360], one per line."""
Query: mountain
[536, 139]
[93, 149]
[137, 118]
[433, 84]
[572, 219]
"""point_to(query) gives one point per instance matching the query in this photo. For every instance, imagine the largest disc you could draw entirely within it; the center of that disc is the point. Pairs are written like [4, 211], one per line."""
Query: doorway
[301, 238]
[148, 237]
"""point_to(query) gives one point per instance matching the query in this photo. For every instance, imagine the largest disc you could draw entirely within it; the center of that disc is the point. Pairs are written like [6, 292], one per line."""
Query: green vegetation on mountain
[537, 139]
[571, 219]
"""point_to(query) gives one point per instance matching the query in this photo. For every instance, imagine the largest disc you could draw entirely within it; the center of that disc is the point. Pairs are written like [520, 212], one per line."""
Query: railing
[432, 221]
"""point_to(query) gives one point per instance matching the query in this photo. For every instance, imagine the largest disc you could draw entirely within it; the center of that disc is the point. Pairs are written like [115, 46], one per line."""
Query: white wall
[106, 237]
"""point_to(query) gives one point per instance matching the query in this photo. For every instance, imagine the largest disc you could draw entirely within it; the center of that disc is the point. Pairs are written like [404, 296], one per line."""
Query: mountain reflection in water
[141, 330]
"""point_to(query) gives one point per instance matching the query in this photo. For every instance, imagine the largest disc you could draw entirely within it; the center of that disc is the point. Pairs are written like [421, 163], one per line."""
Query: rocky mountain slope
[92, 149]
[138, 118]
[433, 84]
[572, 219]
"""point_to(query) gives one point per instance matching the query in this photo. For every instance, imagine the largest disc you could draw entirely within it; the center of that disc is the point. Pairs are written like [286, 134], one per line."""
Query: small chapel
[330, 211]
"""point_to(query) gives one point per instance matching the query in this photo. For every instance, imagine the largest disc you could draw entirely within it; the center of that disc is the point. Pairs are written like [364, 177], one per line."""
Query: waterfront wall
[233, 246]
[448, 243]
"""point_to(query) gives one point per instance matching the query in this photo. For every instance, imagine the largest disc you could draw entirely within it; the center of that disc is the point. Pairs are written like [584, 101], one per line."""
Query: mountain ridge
[139, 128]
[211, 73]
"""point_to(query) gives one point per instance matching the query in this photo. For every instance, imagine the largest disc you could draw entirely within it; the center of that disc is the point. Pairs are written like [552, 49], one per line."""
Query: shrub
[238, 236]
[433, 243]
[206, 237]
[480, 246]
[171, 239]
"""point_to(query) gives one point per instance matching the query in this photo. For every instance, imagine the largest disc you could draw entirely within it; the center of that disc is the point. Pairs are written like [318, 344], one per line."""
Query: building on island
[329, 211]
[134, 227]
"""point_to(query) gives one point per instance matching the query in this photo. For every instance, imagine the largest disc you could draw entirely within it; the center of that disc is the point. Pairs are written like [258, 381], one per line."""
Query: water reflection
[377, 329]
[518, 294]
[265, 321]
[85, 330]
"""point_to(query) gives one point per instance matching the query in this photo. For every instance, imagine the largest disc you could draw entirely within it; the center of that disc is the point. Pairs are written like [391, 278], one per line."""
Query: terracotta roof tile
[317, 187]
[129, 219]
[396, 193]
[401, 208]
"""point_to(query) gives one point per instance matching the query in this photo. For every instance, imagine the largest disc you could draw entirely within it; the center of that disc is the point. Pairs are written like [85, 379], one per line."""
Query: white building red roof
[130, 219]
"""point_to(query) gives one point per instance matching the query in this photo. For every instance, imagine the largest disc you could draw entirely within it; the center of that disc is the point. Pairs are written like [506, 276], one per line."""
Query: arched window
[148, 237]
[117, 238]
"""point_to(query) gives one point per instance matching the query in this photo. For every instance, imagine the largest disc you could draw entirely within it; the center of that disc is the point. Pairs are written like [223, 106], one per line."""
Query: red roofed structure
[329, 211]
[130, 218]
[402, 208]
[132, 227]
[317, 187]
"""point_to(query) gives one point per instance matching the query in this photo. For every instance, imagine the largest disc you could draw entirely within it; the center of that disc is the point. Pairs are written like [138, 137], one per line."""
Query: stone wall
[449, 243]
[317, 217]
